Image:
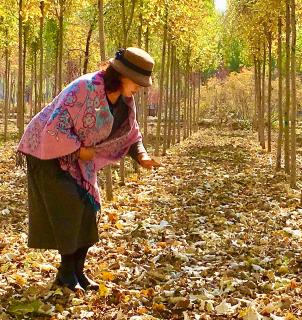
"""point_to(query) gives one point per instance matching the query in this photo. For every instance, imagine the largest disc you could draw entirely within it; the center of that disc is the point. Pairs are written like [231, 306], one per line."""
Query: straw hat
[135, 64]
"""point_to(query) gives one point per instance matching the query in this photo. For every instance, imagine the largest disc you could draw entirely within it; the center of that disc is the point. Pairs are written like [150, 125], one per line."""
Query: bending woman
[90, 124]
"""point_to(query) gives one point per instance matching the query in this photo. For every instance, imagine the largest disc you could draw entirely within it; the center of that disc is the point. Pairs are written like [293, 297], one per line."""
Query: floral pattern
[89, 120]
[70, 99]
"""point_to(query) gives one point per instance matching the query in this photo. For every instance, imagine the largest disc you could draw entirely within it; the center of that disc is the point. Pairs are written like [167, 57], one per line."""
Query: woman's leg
[85, 282]
[66, 275]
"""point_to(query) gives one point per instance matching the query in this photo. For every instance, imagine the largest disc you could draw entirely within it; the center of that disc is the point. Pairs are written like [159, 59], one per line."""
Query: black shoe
[79, 260]
[68, 280]
[87, 283]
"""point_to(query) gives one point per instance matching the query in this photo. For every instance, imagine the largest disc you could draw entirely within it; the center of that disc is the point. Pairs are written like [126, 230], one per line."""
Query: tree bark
[287, 91]
[86, 58]
[293, 147]
[41, 54]
[60, 45]
[262, 122]
[167, 100]
[7, 81]
[161, 88]
[280, 96]
[101, 30]
[269, 96]
[20, 105]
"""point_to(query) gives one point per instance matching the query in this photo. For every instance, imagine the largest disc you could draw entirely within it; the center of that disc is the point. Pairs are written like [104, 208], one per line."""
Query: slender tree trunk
[287, 91]
[20, 106]
[179, 102]
[31, 106]
[175, 102]
[41, 54]
[280, 96]
[262, 122]
[145, 95]
[194, 102]
[171, 94]
[161, 89]
[107, 169]
[256, 112]
[127, 26]
[56, 69]
[35, 82]
[293, 167]
[60, 47]
[86, 58]
[26, 29]
[6, 96]
[199, 99]
[269, 96]
[101, 30]
[167, 101]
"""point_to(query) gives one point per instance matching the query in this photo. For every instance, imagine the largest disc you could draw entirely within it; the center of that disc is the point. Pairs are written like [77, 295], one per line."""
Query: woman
[89, 125]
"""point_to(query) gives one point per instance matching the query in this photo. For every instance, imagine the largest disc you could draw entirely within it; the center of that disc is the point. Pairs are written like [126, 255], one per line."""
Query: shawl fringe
[20, 159]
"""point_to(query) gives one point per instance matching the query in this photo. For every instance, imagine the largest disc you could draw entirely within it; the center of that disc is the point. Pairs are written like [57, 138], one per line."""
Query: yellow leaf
[106, 226]
[21, 281]
[119, 225]
[107, 276]
[142, 310]
[159, 307]
[103, 290]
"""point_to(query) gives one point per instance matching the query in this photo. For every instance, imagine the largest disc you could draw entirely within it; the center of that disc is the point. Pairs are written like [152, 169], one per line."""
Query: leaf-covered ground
[213, 234]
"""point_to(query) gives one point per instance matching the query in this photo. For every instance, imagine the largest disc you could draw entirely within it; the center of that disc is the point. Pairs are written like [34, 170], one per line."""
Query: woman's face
[129, 87]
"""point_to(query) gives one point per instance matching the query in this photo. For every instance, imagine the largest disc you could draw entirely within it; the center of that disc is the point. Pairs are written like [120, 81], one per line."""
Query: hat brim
[142, 80]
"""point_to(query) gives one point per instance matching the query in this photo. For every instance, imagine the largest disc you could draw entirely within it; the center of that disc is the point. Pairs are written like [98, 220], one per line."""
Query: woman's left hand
[146, 162]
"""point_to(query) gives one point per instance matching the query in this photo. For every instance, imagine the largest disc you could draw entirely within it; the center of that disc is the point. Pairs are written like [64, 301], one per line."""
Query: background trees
[46, 44]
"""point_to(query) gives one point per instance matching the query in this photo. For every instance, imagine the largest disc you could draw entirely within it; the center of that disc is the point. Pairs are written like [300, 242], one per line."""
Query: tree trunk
[86, 58]
[171, 94]
[6, 96]
[26, 29]
[41, 54]
[167, 100]
[101, 30]
[161, 88]
[178, 101]
[293, 155]
[145, 95]
[287, 91]
[269, 96]
[262, 122]
[127, 26]
[60, 47]
[35, 82]
[280, 96]
[20, 106]
[175, 102]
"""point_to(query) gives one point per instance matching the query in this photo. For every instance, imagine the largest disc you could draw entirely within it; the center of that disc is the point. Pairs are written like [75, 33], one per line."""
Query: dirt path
[213, 234]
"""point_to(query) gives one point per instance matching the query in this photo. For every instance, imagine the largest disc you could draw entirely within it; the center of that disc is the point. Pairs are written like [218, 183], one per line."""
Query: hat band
[133, 66]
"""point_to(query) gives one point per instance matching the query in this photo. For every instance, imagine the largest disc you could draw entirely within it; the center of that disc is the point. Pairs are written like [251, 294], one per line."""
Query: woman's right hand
[86, 154]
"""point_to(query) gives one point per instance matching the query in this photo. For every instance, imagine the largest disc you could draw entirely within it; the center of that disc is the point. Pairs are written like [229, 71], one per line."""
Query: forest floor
[215, 233]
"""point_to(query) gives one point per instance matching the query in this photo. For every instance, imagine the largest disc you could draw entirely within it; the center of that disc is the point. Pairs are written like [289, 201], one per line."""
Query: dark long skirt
[60, 216]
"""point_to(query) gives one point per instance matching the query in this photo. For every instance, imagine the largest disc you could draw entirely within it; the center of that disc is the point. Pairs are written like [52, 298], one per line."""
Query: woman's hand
[146, 162]
[86, 154]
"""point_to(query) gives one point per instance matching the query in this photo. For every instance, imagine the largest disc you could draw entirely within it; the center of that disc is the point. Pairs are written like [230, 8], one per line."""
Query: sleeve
[135, 149]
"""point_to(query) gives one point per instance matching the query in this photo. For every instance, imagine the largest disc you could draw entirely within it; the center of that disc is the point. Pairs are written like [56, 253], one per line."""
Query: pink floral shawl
[80, 116]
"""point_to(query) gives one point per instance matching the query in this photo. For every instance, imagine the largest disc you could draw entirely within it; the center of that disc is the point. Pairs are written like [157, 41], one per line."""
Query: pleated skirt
[61, 217]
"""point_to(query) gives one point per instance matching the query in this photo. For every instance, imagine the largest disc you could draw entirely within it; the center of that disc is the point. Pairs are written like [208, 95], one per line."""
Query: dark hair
[112, 79]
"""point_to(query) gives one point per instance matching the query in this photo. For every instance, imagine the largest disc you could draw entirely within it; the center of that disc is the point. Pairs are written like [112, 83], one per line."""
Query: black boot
[66, 275]
[85, 282]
